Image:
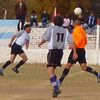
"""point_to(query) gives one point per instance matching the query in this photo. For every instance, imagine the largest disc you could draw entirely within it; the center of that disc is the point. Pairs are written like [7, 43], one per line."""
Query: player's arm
[75, 56]
[46, 37]
[27, 45]
[11, 41]
[15, 36]
[72, 45]
[41, 42]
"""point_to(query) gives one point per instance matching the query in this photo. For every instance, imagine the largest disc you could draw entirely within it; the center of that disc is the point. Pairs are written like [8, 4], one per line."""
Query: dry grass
[32, 84]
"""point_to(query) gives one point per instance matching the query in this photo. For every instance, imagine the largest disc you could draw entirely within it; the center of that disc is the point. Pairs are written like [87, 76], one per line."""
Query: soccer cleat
[58, 82]
[98, 77]
[15, 70]
[56, 93]
[1, 73]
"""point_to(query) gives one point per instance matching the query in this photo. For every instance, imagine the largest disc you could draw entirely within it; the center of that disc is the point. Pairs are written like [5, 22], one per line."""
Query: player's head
[91, 14]
[58, 20]
[77, 22]
[27, 28]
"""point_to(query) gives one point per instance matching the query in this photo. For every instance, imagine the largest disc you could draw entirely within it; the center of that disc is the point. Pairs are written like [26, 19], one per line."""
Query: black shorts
[16, 49]
[54, 57]
[81, 56]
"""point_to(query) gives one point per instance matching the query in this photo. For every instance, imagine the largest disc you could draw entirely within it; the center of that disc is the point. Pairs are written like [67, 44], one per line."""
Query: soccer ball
[78, 11]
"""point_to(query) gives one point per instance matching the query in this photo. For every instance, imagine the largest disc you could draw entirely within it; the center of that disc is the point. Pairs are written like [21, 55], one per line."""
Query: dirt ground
[32, 83]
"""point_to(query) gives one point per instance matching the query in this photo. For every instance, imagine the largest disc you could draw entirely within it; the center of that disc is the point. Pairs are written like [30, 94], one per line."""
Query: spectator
[20, 12]
[34, 21]
[66, 21]
[45, 18]
[91, 22]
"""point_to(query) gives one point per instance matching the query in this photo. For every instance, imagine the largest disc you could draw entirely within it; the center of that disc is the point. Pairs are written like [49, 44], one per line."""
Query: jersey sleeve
[47, 35]
[19, 33]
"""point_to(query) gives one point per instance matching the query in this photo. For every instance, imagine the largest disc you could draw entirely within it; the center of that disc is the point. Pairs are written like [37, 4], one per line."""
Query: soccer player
[56, 37]
[91, 22]
[80, 39]
[18, 40]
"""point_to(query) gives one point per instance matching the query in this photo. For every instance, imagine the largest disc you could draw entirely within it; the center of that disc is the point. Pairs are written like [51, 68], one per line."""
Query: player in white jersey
[17, 41]
[56, 37]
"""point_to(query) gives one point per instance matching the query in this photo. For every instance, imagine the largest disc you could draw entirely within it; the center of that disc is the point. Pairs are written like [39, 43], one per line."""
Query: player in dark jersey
[79, 36]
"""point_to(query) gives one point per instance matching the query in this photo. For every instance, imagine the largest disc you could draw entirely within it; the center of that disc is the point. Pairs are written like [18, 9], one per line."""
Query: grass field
[32, 83]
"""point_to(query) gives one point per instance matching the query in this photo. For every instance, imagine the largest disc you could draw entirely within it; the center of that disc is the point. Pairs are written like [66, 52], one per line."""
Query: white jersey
[22, 38]
[56, 37]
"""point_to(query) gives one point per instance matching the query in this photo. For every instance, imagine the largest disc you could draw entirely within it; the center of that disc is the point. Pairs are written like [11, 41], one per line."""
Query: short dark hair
[26, 26]
[58, 20]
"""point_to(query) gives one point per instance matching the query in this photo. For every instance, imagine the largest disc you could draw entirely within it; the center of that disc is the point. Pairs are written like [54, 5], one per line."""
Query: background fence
[38, 55]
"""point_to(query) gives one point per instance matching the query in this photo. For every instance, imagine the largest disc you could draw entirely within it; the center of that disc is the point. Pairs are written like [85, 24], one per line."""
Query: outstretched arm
[41, 42]
[11, 41]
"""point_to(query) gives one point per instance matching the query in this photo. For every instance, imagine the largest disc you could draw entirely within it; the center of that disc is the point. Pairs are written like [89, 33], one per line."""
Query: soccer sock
[89, 69]
[6, 64]
[54, 83]
[19, 64]
[64, 74]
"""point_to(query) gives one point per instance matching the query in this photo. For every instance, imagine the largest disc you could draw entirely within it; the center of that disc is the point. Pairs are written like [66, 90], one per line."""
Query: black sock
[6, 64]
[19, 64]
[64, 74]
[89, 69]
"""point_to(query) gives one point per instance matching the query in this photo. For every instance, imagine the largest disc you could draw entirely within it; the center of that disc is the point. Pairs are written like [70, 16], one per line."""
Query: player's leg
[12, 58]
[24, 59]
[82, 61]
[90, 70]
[67, 68]
[53, 78]
[54, 59]
[64, 73]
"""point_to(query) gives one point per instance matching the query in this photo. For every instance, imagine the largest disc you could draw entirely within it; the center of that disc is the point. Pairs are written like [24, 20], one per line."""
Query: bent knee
[25, 59]
[84, 68]
[68, 65]
[11, 61]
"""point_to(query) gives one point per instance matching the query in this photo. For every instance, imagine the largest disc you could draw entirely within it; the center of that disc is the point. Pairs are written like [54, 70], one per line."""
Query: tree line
[63, 6]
